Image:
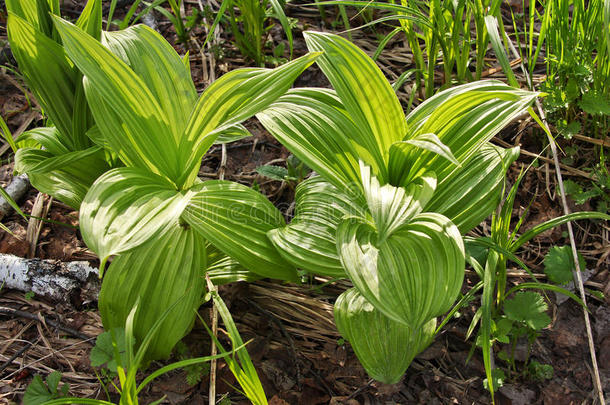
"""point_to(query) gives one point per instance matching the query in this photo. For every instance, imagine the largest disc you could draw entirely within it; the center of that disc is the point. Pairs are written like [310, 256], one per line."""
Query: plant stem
[566, 210]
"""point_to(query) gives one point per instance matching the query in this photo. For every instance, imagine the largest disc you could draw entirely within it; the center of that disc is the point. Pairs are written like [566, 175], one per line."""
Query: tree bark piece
[17, 189]
[71, 282]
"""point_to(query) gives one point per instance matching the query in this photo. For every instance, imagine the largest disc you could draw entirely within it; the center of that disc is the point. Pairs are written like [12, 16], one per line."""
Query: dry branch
[16, 190]
[52, 279]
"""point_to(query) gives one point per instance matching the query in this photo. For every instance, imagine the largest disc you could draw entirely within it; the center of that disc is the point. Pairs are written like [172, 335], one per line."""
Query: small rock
[518, 395]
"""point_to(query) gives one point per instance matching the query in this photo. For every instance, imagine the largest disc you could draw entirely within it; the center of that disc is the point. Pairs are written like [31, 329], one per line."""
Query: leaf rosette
[163, 225]
[394, 194]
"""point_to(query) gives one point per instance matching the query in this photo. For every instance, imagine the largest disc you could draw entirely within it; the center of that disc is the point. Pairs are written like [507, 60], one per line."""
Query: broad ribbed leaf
[48, 72]
[30, 160]
[47, 137]
[470, 194]
[404, 153]
[309, 242]
[169, 267]
[154, 60]
[392, 207]
[412, 276]
[384, 347]
[90, 19]
[127, 206]
[363, 90]
[314, 126]
[35, 12]
[233, 98]
[236, 219]
[223, 269]
[232, 134]
[464, 118]
[66, 176]
[120, 99]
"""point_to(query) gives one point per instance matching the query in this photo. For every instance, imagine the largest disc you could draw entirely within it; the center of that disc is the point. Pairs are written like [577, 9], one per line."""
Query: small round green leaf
[528, 307]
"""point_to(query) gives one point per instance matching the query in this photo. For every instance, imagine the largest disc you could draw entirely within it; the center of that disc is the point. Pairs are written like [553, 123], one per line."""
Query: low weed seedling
[294, 172]
[41, 392]
[559, 264]
[251, 24]
[524, 317]
[195, 372]
[501, 317]
[115, 351]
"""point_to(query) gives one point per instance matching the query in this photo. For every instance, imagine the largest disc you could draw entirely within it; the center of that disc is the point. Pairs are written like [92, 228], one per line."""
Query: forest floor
[294, 344]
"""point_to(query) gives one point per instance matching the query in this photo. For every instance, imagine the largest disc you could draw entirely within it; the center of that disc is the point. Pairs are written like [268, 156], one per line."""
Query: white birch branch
[52, 279]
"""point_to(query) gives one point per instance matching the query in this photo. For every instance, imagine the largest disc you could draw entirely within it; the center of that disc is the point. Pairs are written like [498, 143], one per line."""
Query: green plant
[241, 365]
[133, 16]
[294, 172]
[524, 317]
[38, 392]
[117, 349]
[439, 34]
[194, 373]
[393, 195]
[559, 264]
[250, 24]
[578, 61]
[62, 159]
[154, 214]
[495, 251]
[575, 36]
[597, 191]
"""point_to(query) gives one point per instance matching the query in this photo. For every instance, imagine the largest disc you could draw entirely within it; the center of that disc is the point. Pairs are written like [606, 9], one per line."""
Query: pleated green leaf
[464, 118]
[168, 268]
[231, 99]
[223, 269]
[363, 90]
[236, 219]
[90, 19]
[31, 160]
[161, 69]
[412, 276]
[392, 207]
[309, 242]
[49, 73]
[469, 195]
[232, 134]
[127, 206]
[47, 137]
[315, 126]
[66, 176]
[35, 12]
[120, 99]
[428, 142]
[384, 347]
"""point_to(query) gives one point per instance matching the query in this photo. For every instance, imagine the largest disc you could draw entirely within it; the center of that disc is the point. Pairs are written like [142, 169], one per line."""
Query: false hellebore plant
[154, 213]
[61, 159]
[393, 197]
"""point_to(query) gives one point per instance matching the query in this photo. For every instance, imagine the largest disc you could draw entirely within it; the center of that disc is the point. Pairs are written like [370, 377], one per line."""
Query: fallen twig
[16, 190]
[51, 279]
[41, 318]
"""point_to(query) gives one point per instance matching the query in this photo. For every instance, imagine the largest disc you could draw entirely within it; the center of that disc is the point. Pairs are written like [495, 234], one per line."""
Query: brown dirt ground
[295, 345]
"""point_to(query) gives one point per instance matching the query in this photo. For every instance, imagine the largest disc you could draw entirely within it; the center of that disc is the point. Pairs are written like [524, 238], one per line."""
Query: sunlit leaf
[236, 219]
[384, 347]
